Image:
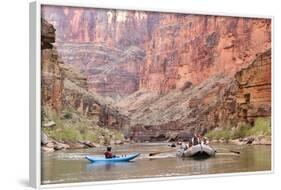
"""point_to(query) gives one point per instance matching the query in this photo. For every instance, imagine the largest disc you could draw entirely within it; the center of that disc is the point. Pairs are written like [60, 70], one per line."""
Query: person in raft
[205, 141]
[196, 140]
[108, 153]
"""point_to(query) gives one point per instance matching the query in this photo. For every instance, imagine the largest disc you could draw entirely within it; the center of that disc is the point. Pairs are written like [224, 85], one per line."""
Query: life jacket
[108, 154]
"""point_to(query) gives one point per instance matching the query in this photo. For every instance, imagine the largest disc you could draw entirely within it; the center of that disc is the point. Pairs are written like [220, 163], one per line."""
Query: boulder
[47, 149]
[262, 140]
[44, 138]
[61, 146]
[76, 145]
[50, 144]
[118, 142]
[88, 143]
[49, 124]
[237, 141]
[249, 140]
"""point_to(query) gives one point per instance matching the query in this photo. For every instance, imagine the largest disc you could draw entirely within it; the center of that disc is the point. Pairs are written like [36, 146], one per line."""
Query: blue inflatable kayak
[125, 158]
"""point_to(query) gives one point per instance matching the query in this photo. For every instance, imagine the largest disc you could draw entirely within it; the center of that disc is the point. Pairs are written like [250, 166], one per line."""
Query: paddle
[226, 154]
[154, 153]
[233, 151]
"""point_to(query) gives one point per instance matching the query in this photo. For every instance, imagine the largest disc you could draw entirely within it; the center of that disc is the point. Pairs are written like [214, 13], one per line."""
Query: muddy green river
[71, 166]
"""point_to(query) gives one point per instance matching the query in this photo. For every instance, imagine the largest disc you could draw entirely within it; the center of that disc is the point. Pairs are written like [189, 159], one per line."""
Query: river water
[71, 166]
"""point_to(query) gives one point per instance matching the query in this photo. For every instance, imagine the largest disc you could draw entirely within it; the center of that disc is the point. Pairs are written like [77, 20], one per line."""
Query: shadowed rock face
[47, 35]
[110, 71]
[254, 94]
[52, 77]
[63, 87]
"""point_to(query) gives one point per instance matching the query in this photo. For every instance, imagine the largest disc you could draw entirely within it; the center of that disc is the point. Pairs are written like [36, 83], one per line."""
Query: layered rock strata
[192, 48]
[219, 101]
[52, 75]
[172, 49]
[110, 72]
[174, 73]
[113, 28]
[63, 87]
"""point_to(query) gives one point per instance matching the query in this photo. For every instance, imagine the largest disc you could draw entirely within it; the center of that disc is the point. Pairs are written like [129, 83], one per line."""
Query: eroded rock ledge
[215, 103]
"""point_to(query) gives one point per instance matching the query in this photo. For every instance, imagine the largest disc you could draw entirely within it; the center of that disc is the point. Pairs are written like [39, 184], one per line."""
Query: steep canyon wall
[218, 102]
[107, 46]
[64, 88]
[192, 48]
[154, 51]
[171, 73]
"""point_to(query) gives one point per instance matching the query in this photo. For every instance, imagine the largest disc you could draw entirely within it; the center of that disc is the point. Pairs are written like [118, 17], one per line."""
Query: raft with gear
[197, 151]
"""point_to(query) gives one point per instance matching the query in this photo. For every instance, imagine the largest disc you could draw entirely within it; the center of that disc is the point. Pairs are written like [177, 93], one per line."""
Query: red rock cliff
[111, 27]
[178, 48]
[219, 101]
[63, 87]
[175, 72]
[52, 77]
[106, 45]
[191, 48]
[110, 71]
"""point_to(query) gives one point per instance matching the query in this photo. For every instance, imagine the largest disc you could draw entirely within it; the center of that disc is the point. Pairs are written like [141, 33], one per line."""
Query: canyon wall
[171, 74]
[107, 46]
[254, 94]
[191, 48]
[218, 102]
[120, 28]
[52, 76]
[65, 88]
[152, 50]
[110, 71]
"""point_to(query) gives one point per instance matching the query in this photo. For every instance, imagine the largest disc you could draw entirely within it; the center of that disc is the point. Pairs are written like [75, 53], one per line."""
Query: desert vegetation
[260, 127]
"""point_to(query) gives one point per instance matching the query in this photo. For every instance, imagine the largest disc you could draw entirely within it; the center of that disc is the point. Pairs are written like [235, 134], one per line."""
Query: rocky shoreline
[51, 145]
[251, 140]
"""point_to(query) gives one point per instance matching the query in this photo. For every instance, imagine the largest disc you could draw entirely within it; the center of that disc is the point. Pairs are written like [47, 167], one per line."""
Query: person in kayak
[108, 153]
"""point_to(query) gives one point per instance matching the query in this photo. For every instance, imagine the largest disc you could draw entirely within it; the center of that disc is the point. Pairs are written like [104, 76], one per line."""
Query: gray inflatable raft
[199, 151]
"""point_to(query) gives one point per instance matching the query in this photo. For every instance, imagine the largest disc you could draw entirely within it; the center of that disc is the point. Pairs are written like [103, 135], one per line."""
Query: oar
[154, 153]
[226, 154]
[233, 151]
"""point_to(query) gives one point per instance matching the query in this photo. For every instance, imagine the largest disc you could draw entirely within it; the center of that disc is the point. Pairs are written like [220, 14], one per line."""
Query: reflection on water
[71, 165]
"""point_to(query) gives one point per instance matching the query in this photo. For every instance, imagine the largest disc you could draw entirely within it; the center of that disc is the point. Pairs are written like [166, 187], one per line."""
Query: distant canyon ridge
[165, 73]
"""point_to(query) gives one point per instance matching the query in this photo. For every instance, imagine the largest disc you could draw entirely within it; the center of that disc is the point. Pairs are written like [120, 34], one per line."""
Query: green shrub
[67, 115]
[241, 131]
[219, 134]
[118, 135]
[68, 133]
[91, 136]
[262, 126]
[73, 126]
